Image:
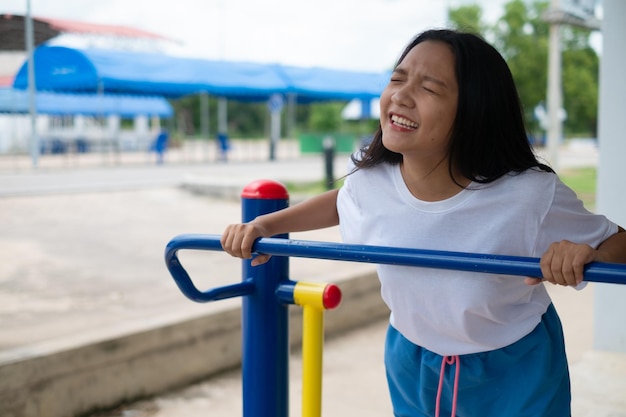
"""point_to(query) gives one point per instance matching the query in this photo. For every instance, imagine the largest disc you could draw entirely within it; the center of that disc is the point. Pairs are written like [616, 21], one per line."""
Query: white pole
[204, 122]
[609, 327]
[222, 115]
[32, 104]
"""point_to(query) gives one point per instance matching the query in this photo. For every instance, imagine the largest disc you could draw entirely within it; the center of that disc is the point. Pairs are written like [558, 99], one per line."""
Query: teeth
[399, 120]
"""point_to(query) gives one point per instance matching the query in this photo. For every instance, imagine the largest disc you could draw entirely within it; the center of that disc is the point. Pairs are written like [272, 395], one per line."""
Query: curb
[71, 380]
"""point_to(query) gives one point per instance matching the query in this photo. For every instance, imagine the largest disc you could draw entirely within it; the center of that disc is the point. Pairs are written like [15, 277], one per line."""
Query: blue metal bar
[182, 279]
[460, 261]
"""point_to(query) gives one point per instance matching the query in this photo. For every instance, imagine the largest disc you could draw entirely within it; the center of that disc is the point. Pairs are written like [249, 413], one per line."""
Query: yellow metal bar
[309, 294]
[314, 299]
[312, 346]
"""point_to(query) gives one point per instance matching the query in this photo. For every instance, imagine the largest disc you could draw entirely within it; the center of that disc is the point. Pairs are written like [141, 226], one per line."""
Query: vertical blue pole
[265, 350]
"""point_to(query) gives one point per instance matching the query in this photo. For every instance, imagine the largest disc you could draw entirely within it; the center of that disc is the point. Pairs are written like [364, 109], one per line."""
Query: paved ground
[81, 251]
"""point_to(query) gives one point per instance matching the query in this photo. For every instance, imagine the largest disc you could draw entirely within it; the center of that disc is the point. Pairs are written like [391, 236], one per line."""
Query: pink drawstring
[449, 360]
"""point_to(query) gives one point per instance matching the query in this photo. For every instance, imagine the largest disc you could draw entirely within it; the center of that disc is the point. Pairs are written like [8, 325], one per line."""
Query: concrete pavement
[86, 302]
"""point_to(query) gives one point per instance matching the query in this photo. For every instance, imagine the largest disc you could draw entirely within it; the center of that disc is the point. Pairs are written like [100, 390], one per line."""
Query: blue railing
[459, 261]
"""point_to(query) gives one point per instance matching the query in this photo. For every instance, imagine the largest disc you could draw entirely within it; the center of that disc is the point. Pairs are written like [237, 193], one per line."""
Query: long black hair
[488, 138]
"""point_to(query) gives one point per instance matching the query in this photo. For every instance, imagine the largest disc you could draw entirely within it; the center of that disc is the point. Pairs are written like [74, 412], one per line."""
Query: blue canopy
[331, 84]
[16, 101]
[62, 68]
[92, 70]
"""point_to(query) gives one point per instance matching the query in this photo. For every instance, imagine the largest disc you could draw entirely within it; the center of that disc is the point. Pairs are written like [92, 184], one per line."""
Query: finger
[557, 269]
[232, 240]
[546, 265]
[260, 259]
[532, 281]
[578, 269]
[574, 258]
[247, 241]
[226, 241]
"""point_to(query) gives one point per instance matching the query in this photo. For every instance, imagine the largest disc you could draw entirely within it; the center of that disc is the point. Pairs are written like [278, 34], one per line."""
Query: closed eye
[398, 75]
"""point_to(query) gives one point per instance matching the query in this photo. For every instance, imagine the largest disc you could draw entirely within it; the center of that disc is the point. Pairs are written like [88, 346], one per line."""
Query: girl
[450, 168]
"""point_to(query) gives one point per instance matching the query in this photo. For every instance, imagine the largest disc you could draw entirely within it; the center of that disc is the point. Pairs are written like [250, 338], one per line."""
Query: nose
[402, 97]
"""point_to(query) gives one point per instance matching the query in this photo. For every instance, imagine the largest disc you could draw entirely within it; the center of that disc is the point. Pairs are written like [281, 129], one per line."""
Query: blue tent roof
[332, 84]
[16, 101]
[62, 68]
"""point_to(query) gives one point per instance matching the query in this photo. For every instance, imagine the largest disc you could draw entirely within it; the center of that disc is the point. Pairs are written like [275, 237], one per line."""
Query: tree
[325, 117]
[467, 18]
[245, 119]
[521, 36]
[580, 82]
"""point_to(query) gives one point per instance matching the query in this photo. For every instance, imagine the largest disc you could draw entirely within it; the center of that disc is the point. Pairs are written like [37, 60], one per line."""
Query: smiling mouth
[403, 122]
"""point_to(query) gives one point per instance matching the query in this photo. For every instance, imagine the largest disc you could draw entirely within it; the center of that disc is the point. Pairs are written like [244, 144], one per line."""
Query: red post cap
[331, 296]
[265, 190]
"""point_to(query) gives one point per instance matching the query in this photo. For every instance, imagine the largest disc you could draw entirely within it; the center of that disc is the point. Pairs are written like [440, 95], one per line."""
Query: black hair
[488, 137]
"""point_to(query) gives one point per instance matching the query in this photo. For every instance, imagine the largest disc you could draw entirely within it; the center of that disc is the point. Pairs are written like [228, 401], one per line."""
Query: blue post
[265, 355]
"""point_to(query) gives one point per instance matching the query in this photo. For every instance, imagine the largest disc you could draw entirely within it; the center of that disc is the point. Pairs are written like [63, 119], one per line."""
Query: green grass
[310, 188]
[581, 180]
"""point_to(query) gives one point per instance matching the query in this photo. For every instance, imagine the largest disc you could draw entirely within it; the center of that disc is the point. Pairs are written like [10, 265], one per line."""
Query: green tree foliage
[581, 67]
[467, 18]
[521, 35]
[325, 117]
[245, 119]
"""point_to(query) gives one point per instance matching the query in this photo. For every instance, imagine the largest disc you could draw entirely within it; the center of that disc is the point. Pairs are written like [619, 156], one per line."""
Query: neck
[432, 183]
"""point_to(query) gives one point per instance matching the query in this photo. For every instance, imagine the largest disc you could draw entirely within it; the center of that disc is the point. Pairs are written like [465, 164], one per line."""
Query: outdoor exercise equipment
[266, 292]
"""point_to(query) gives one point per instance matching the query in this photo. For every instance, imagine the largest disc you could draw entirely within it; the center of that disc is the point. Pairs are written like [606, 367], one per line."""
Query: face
[418, 106]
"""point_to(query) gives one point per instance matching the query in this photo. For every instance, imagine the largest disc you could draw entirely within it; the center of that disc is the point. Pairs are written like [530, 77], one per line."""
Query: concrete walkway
[354, 376]
[81, 264]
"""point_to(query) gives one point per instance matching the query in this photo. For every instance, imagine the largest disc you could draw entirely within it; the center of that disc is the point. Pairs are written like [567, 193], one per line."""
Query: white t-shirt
[453, 312]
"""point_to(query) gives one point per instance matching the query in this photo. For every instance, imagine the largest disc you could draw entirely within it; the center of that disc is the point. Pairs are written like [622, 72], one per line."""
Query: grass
[581, 180]
[310, 188]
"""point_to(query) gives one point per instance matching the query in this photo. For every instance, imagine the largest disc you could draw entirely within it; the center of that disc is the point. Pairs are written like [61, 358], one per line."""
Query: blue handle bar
[182, 279]
[460, 261]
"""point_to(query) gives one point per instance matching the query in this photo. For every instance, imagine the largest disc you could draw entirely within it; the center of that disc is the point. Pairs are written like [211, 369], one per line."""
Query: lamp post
[561, 12]
[32, 105]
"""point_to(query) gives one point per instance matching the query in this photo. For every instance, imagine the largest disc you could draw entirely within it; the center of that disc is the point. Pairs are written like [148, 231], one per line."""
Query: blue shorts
[528, 378]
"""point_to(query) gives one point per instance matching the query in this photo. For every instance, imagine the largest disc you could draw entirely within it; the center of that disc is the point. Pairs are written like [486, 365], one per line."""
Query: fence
[266, 292]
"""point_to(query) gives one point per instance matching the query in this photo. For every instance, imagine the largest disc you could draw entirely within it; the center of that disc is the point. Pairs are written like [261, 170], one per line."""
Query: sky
[362, 35]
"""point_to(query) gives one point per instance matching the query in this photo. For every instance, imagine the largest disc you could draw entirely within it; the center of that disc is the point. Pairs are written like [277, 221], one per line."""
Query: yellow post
[314, 298]
[312, 345]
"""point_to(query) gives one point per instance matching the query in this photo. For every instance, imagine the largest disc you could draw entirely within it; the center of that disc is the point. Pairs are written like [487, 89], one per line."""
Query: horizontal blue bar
[460, 261]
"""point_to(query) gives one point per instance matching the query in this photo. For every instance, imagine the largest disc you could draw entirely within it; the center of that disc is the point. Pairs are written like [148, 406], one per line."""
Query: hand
[237, 240]
[564, 263]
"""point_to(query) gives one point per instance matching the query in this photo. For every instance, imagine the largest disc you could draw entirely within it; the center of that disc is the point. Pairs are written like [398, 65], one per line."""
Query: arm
[564, 262]
[315, 213]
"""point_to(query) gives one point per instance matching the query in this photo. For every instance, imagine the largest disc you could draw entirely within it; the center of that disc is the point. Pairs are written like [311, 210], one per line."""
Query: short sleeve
[348, 207]
[567, 219]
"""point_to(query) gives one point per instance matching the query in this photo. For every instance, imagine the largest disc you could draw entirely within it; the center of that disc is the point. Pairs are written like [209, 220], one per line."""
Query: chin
[391, 145]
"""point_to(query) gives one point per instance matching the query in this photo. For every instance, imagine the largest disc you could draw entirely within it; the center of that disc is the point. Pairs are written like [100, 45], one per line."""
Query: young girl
[450, 168]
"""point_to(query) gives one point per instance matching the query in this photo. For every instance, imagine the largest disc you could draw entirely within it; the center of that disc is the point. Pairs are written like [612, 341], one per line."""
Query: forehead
[432, 58]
